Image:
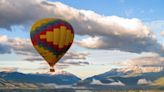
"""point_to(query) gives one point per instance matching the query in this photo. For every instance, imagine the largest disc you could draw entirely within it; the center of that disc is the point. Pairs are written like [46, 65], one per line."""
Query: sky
[108, 34]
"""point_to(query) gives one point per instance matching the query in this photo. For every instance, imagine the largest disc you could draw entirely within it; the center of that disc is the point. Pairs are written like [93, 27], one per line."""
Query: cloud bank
[104, 32]
[17, 45]
[146, 61]
[24, 47]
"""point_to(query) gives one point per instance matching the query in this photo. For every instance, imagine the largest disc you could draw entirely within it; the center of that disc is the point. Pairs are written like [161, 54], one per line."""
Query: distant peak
[56, 73]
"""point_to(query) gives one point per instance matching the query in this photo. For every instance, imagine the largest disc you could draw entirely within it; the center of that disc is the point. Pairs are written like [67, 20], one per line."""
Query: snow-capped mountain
[121, 78]
[124, 78]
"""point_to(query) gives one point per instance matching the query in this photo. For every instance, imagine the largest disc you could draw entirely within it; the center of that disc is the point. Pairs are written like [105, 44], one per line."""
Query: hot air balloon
[52, 37]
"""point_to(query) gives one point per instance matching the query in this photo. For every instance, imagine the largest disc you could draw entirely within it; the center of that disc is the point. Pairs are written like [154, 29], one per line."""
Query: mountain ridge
[60, 79]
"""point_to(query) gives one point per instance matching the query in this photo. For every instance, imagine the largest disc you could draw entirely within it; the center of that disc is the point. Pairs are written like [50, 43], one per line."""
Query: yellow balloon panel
[62, 36]
[49, 36]
[56, 33]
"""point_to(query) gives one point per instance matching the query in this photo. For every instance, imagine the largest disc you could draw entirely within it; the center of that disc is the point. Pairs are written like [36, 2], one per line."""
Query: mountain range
[59, 79]
[125, 79]
[114, 79]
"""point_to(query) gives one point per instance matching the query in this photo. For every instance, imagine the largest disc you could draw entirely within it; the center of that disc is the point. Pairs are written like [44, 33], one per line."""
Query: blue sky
[148, 13]
[142, 9]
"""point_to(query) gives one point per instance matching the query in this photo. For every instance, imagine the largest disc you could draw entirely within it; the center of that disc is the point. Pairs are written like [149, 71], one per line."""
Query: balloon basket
[52, 69]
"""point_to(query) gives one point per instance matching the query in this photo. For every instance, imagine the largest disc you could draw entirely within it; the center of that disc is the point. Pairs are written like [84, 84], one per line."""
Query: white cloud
[71, 57]
[24, 47]
[144, 82]
[122, 43]
[106, 32]
[110, 32]
[152, 61]
[3, 38]
[88, 21]
[117, 83]
[75, 55]
[145, 63]
[91, 42]
[21, 12]
[17, 45]
[97, 82]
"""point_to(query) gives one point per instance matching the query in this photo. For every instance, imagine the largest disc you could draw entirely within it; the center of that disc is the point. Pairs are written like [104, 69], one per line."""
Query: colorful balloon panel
[52, 38]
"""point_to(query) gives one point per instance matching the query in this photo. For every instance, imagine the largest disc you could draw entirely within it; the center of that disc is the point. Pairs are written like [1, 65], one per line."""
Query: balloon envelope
[52, 38]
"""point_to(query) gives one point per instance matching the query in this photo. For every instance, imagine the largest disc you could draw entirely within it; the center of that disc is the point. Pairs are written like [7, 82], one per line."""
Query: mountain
[124, 79]
[63, 78]
[111, 76]
[10, 86]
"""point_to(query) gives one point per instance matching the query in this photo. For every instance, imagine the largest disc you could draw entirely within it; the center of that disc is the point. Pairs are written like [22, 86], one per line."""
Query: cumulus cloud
[75, 58]
[123, 43]
[69, 56]
[76, 55]
[24, 47]
[147, 61]
[105, 32]
[142, 64]
[21, 12]
[17, 45]
[110, 32]
[67, 64]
